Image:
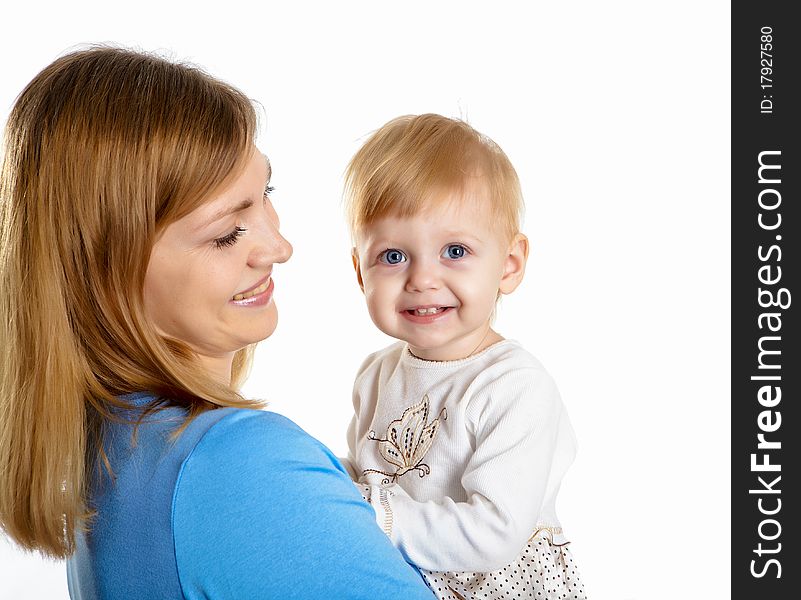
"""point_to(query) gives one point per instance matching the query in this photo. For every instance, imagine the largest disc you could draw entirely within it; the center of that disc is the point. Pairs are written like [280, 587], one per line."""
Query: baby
[459, 440]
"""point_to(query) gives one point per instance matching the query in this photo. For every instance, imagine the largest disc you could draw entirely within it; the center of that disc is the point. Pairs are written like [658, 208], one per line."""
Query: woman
[136, 257]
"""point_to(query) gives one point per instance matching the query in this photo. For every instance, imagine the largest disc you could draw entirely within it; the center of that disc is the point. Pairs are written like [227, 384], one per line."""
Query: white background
[617, 118]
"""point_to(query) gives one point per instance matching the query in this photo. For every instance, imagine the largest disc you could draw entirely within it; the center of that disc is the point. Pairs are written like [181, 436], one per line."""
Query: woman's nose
[271, 247]
[284, 249]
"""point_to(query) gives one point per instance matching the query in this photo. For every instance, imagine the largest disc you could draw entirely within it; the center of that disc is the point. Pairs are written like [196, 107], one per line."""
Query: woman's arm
[262, 510]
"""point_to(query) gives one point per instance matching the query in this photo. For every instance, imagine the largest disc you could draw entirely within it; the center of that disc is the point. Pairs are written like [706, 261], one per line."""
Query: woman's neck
[218, 367]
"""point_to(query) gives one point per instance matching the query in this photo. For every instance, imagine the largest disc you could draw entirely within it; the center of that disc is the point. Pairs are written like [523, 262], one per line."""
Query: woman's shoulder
[247, 480]
[256, 498]
[248, 443]
[251, 422]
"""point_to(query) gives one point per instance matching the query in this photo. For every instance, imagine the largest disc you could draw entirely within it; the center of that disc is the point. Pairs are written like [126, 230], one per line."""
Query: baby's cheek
[373, 304]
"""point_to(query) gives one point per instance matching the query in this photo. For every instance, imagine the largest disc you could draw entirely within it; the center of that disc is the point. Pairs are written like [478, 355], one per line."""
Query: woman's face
[209, 280]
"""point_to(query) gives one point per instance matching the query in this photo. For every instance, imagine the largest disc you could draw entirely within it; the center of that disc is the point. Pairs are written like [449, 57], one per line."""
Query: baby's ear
[354, 255]
[514, 266]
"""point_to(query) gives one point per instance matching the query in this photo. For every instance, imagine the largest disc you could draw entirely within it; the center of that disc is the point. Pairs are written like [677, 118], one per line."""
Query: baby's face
[432, 279]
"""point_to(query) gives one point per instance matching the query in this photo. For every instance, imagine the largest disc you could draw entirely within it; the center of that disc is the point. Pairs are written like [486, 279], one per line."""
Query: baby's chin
[438, 354]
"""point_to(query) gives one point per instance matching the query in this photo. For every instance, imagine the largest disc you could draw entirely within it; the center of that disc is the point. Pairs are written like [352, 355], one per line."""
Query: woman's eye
[392, 257]
[230, 239]
[454, 252]
[268, 190]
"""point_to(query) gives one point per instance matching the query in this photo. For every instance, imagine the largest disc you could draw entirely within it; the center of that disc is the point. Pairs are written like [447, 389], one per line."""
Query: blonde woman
[136, 262]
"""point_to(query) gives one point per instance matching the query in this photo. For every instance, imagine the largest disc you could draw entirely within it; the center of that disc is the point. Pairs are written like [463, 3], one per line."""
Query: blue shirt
[243, 504]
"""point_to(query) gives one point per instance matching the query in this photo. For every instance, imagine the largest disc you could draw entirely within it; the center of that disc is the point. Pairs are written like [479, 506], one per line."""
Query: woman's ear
[514, 266]
[354, 256]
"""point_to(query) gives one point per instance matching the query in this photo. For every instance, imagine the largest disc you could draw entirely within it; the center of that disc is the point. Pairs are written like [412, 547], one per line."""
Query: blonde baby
[459, 439]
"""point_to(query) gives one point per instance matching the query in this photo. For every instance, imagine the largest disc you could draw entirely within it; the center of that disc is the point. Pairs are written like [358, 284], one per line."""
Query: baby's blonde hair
[417, 161]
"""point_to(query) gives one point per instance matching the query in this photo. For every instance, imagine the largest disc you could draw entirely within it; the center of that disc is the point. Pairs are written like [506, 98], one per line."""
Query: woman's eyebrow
[231, 210]
[269, 168]
[243, 205]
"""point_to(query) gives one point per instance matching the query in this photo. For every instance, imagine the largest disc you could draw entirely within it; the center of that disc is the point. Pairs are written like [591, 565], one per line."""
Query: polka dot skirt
[543, 571]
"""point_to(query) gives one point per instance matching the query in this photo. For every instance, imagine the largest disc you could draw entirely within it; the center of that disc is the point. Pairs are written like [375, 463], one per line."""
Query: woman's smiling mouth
[257, 296]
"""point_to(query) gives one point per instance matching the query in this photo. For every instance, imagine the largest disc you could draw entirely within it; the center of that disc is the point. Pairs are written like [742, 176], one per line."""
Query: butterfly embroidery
[408, 440]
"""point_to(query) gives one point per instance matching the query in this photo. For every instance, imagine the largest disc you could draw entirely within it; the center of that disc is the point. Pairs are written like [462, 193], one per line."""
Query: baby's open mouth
[433, 310]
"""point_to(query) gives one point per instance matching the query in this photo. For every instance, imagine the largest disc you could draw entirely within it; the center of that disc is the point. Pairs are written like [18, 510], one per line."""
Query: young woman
[137, 244]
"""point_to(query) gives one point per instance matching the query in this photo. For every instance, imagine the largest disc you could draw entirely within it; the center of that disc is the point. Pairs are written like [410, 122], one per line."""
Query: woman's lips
[258, 296]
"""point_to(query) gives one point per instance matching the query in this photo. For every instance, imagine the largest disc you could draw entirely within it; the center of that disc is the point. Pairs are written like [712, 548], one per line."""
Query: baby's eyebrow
[464, 235]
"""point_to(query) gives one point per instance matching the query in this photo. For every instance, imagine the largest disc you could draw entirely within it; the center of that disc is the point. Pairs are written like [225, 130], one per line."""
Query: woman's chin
[263, 327]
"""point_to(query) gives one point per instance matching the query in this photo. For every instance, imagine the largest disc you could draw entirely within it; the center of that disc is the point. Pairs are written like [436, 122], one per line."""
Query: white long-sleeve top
[461, 460]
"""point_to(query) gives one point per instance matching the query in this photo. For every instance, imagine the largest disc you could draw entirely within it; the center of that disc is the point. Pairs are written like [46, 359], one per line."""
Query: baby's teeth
[427, 311]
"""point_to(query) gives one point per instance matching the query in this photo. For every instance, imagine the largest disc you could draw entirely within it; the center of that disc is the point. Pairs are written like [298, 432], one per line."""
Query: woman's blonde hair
[416, 161]
[103, 150]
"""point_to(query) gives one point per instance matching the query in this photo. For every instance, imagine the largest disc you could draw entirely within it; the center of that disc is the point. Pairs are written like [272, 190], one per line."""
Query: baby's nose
[422, 277]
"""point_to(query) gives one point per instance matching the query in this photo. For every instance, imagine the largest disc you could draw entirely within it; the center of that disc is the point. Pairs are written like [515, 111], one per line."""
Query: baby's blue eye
[392, 257]
[454, 252]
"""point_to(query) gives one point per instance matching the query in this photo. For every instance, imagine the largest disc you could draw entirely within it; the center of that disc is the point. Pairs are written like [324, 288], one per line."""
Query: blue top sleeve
[262, 510]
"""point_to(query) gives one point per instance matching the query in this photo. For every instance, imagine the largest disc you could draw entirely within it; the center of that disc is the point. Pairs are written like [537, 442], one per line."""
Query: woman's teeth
[253, 292]
[428, 311]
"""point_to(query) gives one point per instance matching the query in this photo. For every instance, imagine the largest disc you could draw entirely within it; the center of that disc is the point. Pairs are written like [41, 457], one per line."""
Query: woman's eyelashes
[230, 239]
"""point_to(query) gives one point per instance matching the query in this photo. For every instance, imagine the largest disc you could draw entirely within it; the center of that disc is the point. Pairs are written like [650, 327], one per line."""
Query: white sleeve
[515, 423]
[349, 462]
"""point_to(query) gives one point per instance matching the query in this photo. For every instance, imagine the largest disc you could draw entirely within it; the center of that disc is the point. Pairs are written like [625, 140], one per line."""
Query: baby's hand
[365, 491]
